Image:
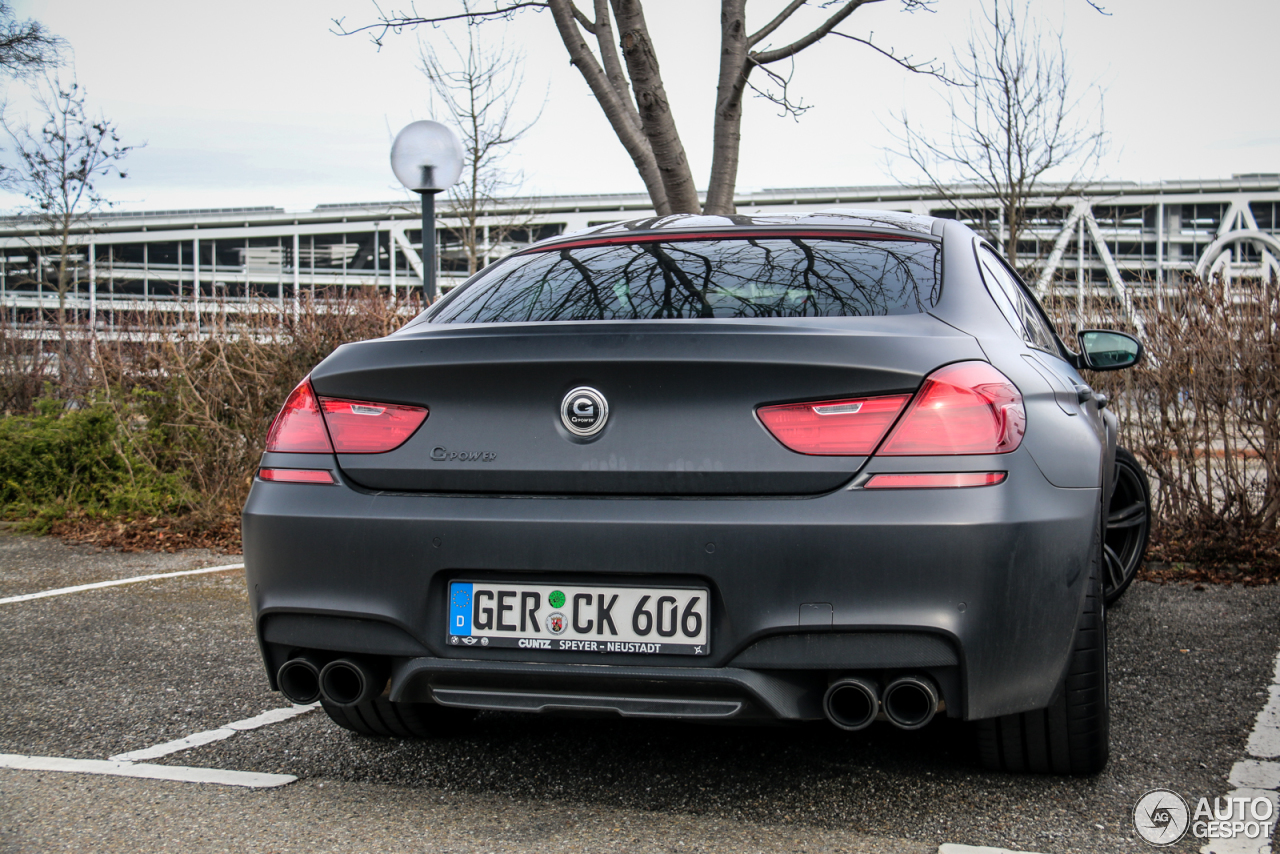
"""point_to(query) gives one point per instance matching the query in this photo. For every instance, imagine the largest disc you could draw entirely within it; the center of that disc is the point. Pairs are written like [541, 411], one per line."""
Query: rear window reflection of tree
[731, 278]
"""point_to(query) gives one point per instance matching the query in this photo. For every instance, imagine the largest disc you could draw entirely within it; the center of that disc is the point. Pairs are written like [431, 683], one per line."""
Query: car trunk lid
[682, 399]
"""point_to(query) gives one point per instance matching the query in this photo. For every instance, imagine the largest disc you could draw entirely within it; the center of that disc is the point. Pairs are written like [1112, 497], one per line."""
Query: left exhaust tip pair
[853, 703]
[304, 679]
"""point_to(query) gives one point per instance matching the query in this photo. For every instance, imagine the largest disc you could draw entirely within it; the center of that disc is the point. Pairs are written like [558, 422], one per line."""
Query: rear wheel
[1128, 526]
[381, 717]
[1072, 735]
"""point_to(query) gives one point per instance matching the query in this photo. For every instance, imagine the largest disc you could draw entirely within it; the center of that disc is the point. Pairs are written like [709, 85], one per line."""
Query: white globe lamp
[427, 158]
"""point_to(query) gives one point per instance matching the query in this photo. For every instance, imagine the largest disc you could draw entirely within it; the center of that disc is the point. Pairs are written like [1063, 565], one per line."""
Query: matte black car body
[810, 576]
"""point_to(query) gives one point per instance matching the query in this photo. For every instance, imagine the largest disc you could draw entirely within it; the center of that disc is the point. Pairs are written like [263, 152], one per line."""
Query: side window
[1040, 335]
[1002, 290]
[1015, 304]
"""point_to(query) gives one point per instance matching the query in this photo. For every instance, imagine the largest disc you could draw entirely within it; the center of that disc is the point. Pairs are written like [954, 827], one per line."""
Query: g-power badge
[584, 411]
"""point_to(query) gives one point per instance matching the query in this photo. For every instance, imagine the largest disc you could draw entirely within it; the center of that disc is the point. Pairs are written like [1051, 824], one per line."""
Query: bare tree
[629, 87]
[1016, 119]
[26, 46]
[479, 86]
[57, 169]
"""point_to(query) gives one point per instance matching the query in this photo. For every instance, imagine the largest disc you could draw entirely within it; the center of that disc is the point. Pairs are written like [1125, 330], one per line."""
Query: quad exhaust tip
[852, 703]
[299, 680]
[351, 681]
[910, 702]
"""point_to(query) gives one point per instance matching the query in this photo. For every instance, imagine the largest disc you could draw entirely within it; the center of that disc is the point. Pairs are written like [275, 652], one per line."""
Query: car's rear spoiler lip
[737, 233]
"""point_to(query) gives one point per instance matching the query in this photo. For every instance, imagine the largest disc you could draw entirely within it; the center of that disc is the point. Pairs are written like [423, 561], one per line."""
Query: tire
[1073, 735]
[1128, 526]
[382, 718]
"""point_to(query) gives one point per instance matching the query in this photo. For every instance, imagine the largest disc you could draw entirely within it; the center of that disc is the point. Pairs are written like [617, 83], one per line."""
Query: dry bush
[27, 364]
[201, 406]
[1202, 412]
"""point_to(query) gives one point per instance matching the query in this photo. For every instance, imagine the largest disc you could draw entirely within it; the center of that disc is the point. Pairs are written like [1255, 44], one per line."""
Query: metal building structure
[1125, 241]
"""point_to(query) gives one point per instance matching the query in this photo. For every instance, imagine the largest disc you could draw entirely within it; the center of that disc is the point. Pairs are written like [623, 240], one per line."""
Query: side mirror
[1104, 350]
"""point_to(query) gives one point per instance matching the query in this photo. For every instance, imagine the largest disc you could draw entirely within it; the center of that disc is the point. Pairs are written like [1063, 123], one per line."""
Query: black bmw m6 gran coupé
[831, 466]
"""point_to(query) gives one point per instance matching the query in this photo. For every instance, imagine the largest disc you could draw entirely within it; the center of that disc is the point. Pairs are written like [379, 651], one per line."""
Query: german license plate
[571, 618]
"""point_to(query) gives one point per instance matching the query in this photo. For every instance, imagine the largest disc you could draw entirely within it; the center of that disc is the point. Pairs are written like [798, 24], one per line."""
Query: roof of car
[878, 220]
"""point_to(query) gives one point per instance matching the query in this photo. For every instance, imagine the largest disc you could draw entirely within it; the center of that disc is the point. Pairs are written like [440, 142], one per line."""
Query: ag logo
[584, 411]
[556, 623]
[1161, 817]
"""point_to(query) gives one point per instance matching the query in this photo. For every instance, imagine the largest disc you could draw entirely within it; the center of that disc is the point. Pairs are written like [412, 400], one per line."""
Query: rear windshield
[727, 278]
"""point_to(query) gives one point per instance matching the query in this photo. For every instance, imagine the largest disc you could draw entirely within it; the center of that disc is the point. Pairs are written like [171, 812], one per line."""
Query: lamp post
[427, 158]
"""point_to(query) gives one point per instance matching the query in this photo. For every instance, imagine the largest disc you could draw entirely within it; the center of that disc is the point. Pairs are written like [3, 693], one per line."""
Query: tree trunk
[470, 236]
[727, 139]
[658, 124]
[1013, 222]
[612, 65]
[613, 106]
[64, 356]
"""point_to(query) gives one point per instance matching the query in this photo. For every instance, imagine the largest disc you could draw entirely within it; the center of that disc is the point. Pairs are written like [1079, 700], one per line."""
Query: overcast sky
[257, 102]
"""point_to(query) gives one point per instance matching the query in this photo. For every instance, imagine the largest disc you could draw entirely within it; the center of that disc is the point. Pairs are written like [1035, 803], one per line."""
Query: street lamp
[427, 158]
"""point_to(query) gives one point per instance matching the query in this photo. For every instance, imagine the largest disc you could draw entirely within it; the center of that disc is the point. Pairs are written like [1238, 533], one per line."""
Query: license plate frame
[608, 619]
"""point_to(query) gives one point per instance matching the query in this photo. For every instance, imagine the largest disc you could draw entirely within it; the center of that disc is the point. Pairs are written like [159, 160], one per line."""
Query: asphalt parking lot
[94, 674]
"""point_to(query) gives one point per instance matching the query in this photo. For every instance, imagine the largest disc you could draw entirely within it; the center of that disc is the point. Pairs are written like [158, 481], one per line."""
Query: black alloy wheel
[1073, 734]
[1128, 526]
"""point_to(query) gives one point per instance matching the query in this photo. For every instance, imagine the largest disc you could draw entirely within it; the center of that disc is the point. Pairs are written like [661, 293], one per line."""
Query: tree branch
[615, 109]
[480, 87]
[393, 23]
[26, 46]
[656, 119]
[782, 98]
[778, 20]
[612, 64]
[1013, 122]
[578, 15]
[925, 67]
[764, 57]
[727, 135]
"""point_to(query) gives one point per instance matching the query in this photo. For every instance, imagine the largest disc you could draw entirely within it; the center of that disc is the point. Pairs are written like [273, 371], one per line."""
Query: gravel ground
[93, 674]
[1189, 672]
[80, 813]
[30, 564]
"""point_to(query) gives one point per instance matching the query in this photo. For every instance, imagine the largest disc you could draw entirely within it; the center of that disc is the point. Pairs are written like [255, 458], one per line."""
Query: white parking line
[1264, 741]
[179, 773]
[126, 764]
[1252, 778]
[1257, 778]
[212, 735]
[1255, 774]
[27, 597]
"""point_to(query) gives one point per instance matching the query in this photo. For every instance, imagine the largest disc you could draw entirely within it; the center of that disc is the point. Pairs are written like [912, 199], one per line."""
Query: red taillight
[965, 408]
[361, 427]
[935, 481]
[299, 428]
[297, 475]
[356, 426]
[851, 427]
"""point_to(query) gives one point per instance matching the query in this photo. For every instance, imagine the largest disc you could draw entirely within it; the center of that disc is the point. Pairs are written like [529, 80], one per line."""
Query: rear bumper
[980, 588]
